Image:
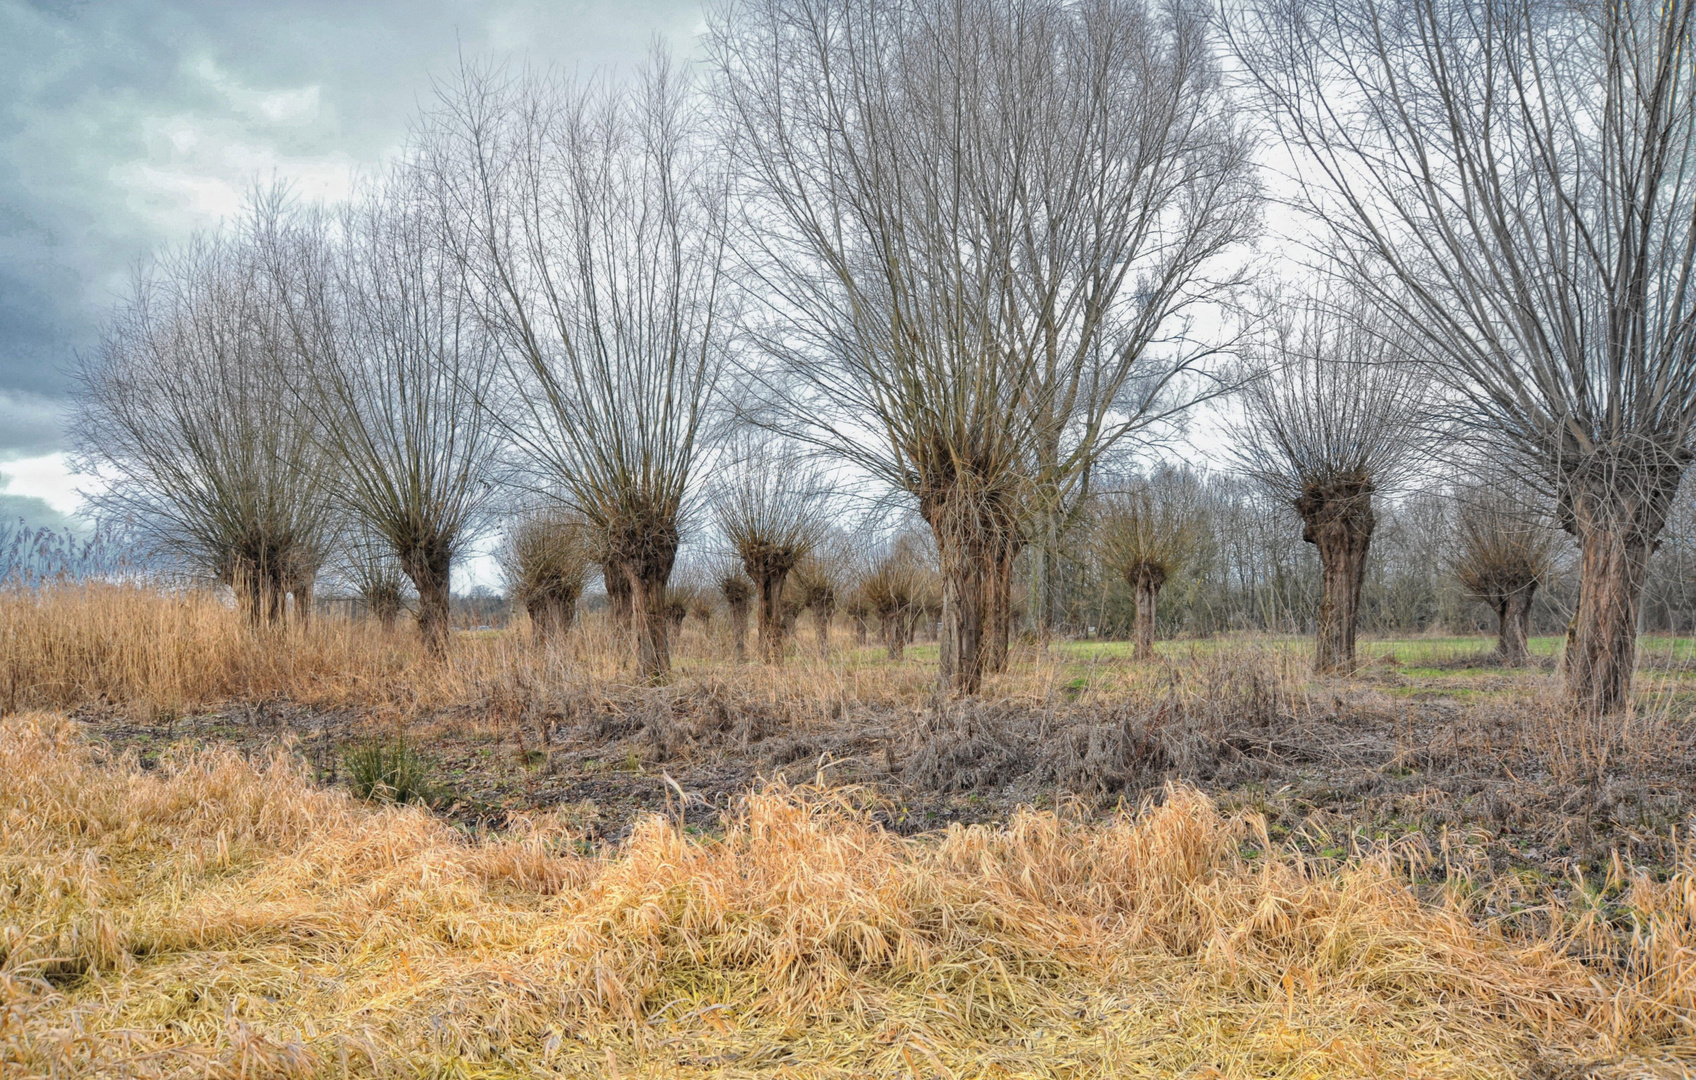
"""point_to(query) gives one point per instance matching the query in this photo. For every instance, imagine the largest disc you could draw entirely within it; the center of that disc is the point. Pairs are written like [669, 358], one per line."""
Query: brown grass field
[1208, 866]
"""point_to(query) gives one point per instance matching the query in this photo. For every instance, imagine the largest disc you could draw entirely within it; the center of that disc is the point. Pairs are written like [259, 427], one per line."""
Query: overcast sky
[125, 125]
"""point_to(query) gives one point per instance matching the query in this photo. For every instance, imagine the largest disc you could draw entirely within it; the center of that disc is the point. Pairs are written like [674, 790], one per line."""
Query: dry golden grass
[62, 646]
[217, 918]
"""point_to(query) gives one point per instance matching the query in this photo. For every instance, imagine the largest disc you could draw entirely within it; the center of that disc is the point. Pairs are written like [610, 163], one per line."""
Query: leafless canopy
[1146, 528]
[973, 220]
[1336, 415]
[588, 217]
[771, 509]
[1504, 549]
[1510, 179]
[546, 560]
[399, 373]
[187, 410]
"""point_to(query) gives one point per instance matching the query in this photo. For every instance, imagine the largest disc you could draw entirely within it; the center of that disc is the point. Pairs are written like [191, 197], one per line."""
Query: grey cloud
[124, 126]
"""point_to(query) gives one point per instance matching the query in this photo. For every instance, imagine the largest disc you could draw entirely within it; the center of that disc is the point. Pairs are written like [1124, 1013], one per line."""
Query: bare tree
[546, 561]
[769, 507]
[893, 589]
[970, 220]
[589, 218]
[368, 565]
[399, 375]
[1147, 530]
[186, 411]
[1511, 179]
[815, 581]
[738, 591]
[1504, 551]
[1336, 416]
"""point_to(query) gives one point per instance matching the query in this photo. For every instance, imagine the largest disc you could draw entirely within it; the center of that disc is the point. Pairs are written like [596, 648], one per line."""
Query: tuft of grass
[222, 917]
[389, 770]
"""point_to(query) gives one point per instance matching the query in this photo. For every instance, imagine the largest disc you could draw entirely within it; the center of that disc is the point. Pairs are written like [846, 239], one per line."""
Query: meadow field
[321, 853]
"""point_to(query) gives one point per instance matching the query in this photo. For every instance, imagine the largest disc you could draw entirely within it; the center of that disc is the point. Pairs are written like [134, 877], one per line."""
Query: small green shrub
[389, 770]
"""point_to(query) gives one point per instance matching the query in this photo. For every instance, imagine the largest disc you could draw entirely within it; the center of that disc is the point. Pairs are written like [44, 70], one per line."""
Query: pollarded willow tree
[771, 510]
[366, 564]
[546, 560]
[815, 582]
[1504, 549]
[187, 412]
[1510, 178]
[1146, 530]
[589, 219]
[970, 221]
[1337, 415]
[738, 593]
[399, 374]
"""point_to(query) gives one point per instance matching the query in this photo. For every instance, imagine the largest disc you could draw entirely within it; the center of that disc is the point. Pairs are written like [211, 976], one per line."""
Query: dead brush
[219, 917]
[1182, 723]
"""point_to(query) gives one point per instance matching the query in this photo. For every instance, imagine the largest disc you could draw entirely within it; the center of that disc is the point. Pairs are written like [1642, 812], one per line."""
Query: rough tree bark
[739, 626]
[428, 568]
[302, 596]
[1513, 626]
[650, 620]
[973, 530]
[1615, 512]
[619, 601]
[769, 577]
[823, 608]
[551, 616]
[1338, 520]
[1147, 580]
[998, 610]
[960, 635]
[892, 625]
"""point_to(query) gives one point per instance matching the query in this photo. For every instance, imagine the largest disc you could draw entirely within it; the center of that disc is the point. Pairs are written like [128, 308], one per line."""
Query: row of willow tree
[959, 253]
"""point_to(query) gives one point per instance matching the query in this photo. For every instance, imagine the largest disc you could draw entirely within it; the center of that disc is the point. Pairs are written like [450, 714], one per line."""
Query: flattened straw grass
[222, 918]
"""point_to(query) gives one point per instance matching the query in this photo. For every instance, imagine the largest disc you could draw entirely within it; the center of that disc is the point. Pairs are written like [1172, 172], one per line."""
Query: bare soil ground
[1465, 769]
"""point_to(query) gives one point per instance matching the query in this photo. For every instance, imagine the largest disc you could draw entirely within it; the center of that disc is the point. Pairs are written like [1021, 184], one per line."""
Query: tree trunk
[1602, 650]
[998, 611]
[650, 620]
[960, 636]
[1040, 591]
[1339, 522]
[431, 580]
[1147, 583]
[303, 603]
[1616, 509]
[273, 600]
[894, 633]
[249, 589]
[739, 628]
[860, 630]
[1513, 625]
[550, 616]
[822, 613]
[619, 600]
[768, 584]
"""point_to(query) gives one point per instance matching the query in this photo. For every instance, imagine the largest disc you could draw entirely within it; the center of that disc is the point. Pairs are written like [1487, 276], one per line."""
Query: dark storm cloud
[125, 125]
